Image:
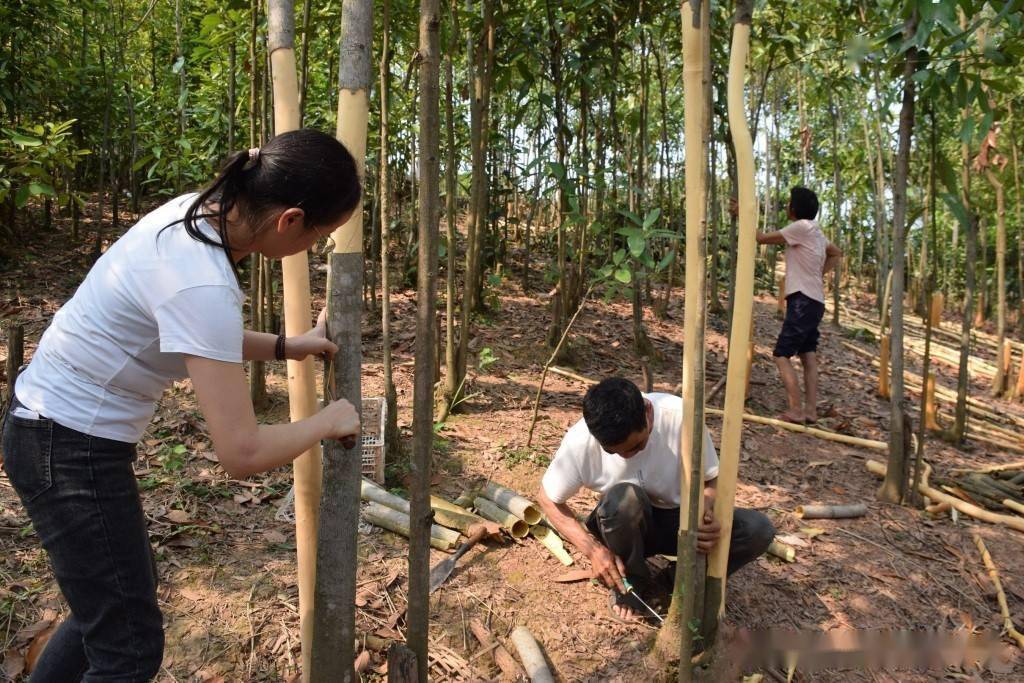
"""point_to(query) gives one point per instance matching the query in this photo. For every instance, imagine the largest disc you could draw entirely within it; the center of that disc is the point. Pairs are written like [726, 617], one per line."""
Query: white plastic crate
[373, 413]
[372, 417]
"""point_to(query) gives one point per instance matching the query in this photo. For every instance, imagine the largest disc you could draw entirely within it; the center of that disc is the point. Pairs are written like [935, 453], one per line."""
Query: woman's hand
[312, 343]
[341, 422]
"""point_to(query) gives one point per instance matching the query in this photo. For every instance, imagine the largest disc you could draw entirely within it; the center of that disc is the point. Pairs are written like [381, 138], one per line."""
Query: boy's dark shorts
[800, 328]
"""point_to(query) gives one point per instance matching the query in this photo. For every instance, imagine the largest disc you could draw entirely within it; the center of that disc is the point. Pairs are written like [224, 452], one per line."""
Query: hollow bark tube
[398, 522]
[742, 318]
[832, 511]
[301, 383]
[533, 659]
[513, 502]
[517, 527]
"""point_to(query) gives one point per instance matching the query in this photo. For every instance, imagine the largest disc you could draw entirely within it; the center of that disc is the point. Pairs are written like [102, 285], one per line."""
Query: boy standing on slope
[809, 255]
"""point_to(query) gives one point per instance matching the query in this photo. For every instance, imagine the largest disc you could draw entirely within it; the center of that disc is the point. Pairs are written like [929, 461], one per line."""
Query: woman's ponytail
[302, 168]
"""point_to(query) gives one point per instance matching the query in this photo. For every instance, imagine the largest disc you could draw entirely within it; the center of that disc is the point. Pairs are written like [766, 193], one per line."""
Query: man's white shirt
[581, 462]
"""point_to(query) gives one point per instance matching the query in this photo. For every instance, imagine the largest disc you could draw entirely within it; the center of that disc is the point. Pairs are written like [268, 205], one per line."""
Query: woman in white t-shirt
[163, 303]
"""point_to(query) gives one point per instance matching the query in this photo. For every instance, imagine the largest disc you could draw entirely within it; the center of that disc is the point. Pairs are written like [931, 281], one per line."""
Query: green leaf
[21, 198]
[665, 260]
[956, 207]
[618, 256]
[624, 276]
[36, 189]
[25, 140]
[652, 217]
[632, 217]
[179, 63]
[556, 169]
[637, 244]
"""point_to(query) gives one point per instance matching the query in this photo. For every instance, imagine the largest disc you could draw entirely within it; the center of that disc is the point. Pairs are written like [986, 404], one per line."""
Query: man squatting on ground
[627, 448]
[809, 255]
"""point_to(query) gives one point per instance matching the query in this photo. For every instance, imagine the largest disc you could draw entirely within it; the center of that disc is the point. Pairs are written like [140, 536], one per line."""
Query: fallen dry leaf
[362, 661]
[190, 594]
[274, 536]
[177, 516]
[573, 576]
[14, 664]
[790, 539]
[811, 531]
[36, 648]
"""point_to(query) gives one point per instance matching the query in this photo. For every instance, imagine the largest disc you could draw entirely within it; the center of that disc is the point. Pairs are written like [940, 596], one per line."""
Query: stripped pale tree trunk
[676, 633]
[1001, 382]
[301, 388]
[742, 319]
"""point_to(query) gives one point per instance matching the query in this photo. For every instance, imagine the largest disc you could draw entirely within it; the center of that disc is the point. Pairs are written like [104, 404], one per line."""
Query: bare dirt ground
[227, 568]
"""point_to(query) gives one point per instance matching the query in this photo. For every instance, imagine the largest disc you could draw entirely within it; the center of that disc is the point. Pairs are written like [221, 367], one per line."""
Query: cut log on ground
[832, 511]
[782, 551]
[532, 657]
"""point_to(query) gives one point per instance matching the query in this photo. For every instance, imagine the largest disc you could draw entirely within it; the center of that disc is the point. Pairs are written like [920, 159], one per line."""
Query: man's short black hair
[803, 202]
[613, 409]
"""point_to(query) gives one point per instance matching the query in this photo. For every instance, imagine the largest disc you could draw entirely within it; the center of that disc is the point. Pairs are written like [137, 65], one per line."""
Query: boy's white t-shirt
[111, 350]
[805, 258]
[581, 462]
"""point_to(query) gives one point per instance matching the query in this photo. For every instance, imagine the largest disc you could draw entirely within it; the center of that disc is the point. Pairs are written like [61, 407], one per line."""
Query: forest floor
[227, 568]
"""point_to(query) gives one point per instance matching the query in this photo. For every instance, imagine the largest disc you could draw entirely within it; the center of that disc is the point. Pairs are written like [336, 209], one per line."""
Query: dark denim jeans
[81, 495]
[628, 525]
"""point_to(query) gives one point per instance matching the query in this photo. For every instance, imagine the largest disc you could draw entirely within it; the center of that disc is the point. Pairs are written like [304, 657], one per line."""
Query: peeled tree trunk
[334, 630]
[426, 303]
[676, 633]
[742, 319]
[894, 488]
[301, 384]
[1001, 383]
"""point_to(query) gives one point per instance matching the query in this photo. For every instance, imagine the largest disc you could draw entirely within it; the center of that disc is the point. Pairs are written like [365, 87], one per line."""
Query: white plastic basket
[372, 417]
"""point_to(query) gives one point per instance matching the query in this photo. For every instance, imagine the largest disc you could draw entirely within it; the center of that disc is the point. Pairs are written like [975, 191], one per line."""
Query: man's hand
[312, 343]
[709, 529]
[607, 568]
[708, 533]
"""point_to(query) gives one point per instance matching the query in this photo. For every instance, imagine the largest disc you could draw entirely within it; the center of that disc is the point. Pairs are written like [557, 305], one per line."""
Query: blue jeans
[81, 495]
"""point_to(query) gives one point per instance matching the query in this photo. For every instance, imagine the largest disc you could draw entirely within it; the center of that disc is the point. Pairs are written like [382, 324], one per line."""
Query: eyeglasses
[324, 243]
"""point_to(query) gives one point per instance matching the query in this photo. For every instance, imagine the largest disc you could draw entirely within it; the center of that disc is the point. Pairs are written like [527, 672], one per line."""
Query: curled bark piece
[506, 662]
[533, 659]
[398, 522]
[938, 508]
[993, 574]
[553, 542]
[519, 506]
[371, 491]
[782, 551]
[465, 498]
[832, 511]
[517, 527]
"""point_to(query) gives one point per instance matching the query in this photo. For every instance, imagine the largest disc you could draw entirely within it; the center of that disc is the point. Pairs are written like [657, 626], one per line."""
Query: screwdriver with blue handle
[629, 589]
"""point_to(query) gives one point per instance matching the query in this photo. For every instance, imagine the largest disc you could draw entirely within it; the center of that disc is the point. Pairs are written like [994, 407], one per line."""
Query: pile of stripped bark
[1000, 490]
